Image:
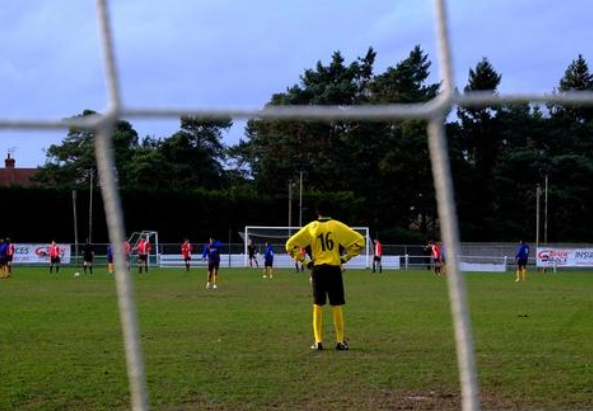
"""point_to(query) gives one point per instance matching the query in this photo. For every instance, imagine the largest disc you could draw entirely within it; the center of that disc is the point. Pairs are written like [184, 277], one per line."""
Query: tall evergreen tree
[189, 159]
[277, 150]
[407, 187]
[480, 143]
[68, 164]
[577, 77]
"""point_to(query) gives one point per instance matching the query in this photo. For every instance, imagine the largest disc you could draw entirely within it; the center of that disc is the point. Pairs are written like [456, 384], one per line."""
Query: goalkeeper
[325, 237]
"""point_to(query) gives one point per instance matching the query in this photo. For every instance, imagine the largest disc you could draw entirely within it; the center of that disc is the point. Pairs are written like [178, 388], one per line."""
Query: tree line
[379, 171]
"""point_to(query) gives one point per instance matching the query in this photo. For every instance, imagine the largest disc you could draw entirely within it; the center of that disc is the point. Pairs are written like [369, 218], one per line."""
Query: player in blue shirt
[2, 258]
[521, 258]
[110, 259]
[269, 260]
[212, 252]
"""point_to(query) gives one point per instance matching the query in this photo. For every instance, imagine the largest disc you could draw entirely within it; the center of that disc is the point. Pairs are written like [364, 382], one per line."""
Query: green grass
[246, 345]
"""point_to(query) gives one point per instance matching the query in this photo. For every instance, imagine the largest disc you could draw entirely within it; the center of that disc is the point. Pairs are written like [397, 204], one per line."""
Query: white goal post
[277, 236]
[153, 238]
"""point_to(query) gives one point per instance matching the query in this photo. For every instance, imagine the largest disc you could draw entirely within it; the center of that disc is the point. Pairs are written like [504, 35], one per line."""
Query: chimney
[9, 162]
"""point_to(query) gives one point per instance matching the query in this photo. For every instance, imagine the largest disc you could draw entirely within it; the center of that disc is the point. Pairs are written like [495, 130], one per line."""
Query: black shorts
[522, 262]
[2, 261]
[88, 259]
[187, 259]
[251, 256]
[8, 258]
[327, 282]
[55, 260]
[377, 258]
[269, 263]
[142, 258]
[213, 265]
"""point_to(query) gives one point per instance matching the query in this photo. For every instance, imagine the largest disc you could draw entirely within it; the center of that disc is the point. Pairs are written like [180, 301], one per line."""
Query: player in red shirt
[127, 252]
[437, 257]
[143, 249]
[54, 251]
[378, 256]
[9, 256]
[186, 250]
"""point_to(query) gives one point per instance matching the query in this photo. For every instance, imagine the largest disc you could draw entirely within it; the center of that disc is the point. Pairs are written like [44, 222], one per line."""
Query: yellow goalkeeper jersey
[326, 239]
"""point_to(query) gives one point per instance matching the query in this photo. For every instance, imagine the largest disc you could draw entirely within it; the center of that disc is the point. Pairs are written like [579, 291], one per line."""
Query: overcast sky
[237, 53]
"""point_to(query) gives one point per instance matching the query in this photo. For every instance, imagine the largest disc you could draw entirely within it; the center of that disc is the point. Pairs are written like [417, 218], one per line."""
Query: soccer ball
[76, 274]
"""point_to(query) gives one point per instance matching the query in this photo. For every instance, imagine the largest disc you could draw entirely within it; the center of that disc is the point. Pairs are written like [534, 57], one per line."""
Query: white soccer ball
[76, 274]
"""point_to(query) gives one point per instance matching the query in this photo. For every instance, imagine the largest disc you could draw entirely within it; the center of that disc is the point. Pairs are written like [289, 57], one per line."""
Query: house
[10, 175]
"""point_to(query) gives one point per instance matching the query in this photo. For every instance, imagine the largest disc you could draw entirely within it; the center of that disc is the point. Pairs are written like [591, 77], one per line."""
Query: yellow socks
[339, 322]
[317, 322]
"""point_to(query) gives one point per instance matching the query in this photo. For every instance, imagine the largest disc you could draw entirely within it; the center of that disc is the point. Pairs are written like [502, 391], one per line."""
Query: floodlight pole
[537, 195]
[91, 171]
[546, 209]
[290, 203]
[75, 225]
[301, 198]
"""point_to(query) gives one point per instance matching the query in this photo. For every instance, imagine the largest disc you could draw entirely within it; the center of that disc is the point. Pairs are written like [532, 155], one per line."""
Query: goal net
[277, 237]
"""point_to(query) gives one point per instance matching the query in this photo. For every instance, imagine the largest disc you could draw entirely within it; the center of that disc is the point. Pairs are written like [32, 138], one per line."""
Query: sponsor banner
[564, 257]
[38, 253]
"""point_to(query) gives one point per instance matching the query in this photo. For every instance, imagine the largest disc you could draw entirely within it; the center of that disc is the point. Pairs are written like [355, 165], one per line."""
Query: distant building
[10, 175]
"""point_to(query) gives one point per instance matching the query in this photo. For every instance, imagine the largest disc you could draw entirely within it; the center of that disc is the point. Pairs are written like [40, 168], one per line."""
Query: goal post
[277, 236]
[153, 238]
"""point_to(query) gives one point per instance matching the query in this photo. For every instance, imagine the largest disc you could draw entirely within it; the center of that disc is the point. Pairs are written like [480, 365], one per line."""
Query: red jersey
[10, 250]
[186, 249]
[54, 251]
[436, 252]
[378, 249]
[127, 248]
[144, 247]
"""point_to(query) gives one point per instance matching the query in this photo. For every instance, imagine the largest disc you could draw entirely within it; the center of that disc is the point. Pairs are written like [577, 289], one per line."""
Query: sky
[237, 53]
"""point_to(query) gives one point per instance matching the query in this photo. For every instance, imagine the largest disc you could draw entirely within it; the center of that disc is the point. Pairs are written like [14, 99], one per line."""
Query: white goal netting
[434, 111]
[277, 237]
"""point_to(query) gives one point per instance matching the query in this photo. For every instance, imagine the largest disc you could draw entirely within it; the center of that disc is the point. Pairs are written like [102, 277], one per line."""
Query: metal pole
[289, 204]
[230, 239]
[537, 195]
[546, 210]
[91, 207]
[75, 225]
[301, 198]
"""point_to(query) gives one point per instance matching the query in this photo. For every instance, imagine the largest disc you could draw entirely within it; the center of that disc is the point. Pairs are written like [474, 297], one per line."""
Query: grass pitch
[245, 346]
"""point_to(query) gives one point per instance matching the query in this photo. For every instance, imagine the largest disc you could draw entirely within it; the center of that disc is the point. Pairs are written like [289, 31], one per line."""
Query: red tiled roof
[16, 176]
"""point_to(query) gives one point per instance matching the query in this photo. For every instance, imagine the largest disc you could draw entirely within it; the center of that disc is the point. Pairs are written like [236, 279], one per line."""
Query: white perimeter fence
[474, 257]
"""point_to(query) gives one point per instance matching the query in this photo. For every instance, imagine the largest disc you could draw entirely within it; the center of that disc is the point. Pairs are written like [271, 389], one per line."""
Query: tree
[189, 159]
[275, 151]
[406, 187]
[68, 164]
[406, 82]
[576, 78]
[479, 142]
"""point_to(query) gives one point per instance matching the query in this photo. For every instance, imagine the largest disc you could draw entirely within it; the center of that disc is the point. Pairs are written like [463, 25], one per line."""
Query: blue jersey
[269, 253]
[109, 253]
[212, 252]
[3, 250]
[522, 251]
